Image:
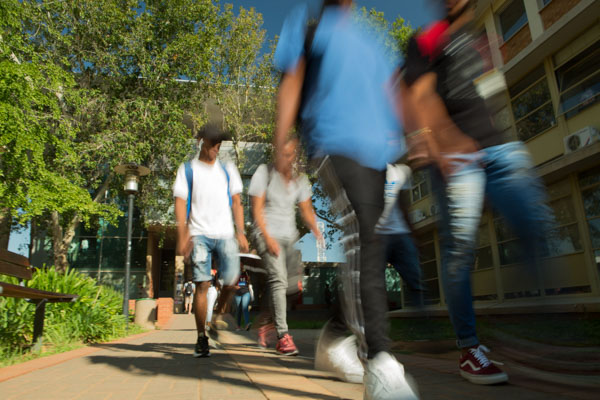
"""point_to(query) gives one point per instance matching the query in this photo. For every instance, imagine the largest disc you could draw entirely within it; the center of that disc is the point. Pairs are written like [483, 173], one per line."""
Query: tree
[124, 61]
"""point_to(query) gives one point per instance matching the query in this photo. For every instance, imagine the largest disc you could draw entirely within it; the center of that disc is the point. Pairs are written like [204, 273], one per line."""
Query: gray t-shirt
[280, 200]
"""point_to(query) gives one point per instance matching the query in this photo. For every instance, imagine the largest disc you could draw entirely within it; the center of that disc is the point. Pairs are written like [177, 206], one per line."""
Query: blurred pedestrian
[336, 83]
[207, 203]
[395, 231]
[241, 300]
[457, 136]
[274, 195]
[188, 292]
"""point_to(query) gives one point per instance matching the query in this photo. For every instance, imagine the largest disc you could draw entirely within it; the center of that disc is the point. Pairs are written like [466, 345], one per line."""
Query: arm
[258, 207]
[308, 216]
[288, 103]
[423, 108]
[238, 218]
[184, 242]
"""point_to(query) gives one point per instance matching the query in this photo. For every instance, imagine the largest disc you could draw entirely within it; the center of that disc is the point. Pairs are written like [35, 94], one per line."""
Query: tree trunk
[5, 225]
[61, 241]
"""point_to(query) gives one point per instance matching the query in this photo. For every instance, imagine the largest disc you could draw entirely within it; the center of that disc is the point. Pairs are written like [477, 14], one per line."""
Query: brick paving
[160, 366]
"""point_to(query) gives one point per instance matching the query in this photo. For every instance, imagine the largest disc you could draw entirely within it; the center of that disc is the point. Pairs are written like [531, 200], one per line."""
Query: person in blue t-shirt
[337, 83]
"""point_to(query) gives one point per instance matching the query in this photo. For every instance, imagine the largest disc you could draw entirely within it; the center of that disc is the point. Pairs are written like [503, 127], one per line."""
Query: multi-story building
[549, 53]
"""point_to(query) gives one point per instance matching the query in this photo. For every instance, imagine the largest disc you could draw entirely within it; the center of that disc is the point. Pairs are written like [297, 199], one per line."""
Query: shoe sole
[291, 353]
[484, 380]
[201, 355]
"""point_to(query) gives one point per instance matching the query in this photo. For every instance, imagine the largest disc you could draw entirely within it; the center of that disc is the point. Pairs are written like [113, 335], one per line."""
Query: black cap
[212, 131]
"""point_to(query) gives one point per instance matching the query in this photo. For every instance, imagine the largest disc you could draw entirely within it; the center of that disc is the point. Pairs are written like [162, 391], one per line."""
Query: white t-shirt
[280, 200]
[210, 213]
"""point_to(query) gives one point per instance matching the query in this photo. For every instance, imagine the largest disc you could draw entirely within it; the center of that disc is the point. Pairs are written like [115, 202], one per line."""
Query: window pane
[416, 194]
[502, 119]
[483, 258]
[536, 122]
[427, 252]
[559, 189]
[581, 96]
[564, 211]
[580, 66]
[509, 252]
[563, 240]
[424, 189]
[595, 232]
[503, 231]
[527, 81]
[531, 99]
[429, 270]
[512, 18]
[591, 202]
[590, 177]
[483, 236]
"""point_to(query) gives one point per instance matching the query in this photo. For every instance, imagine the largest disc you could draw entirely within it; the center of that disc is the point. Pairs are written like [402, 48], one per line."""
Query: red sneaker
[476, 368]
[286, 346]
[266, 335]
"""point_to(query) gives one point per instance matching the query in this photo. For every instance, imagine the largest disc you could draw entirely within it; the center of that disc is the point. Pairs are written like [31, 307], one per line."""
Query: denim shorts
[227, 253]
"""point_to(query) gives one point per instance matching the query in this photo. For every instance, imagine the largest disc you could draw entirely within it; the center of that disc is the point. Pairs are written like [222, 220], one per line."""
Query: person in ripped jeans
[274, 195]
[208, 227]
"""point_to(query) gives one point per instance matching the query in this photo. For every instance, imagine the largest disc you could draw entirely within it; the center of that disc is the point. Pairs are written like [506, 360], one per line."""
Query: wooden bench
[15, 265]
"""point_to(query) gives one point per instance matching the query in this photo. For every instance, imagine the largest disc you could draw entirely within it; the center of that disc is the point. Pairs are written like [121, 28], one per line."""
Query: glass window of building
[531, 104]
[428, 261]
[579, 81]
[512, 18]
[420, 185]
[483, 252]
[589, 183]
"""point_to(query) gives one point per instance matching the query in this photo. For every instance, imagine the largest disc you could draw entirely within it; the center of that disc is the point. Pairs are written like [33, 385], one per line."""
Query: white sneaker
[340, 357]
[385, 379]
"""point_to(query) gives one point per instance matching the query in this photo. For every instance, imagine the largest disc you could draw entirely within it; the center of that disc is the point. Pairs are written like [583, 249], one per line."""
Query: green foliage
[94, 317]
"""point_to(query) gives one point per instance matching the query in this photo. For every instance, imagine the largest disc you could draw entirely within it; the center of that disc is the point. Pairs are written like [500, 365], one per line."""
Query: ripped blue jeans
[227, 253]
[505, 174]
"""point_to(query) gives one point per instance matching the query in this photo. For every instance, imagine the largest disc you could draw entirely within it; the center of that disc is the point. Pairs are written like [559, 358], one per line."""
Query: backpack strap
[228, 190]
[189, 176]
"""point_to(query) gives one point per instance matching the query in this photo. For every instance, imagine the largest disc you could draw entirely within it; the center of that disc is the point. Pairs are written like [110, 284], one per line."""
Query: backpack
[189, 176]
[189, 290]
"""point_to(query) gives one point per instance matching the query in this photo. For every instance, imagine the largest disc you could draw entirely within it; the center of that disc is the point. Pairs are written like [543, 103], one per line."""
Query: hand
[272, 246]
[184, 244]
[242, 242]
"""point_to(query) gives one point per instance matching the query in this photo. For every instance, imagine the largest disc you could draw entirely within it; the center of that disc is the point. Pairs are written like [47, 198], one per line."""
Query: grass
[49, 349]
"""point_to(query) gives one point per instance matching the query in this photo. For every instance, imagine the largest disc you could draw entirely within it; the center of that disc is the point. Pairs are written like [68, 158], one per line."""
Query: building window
[427, 260]
[532, 105]
[544, 3]
[579, 81]
[512, 18]
[589, 182]
[420, 185]
[483, 252]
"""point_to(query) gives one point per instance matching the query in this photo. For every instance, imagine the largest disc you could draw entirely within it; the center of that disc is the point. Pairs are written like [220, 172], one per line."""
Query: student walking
[471, 160]
[336, 82]
[207, 203]
[275, 194]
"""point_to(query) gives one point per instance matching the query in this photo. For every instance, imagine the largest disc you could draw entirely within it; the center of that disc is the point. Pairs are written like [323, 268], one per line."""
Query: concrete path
[160, 366]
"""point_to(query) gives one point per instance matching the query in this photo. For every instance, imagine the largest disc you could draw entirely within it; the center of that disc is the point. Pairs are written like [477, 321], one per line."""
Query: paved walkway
[160, 366]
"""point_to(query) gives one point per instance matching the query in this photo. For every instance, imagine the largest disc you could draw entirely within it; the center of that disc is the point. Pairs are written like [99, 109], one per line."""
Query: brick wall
[164, 311]
[516, 43]
[555, 10]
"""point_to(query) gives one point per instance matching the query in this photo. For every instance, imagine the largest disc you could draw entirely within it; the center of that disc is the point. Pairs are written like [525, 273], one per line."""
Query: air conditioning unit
[581, 138]
[416, 216]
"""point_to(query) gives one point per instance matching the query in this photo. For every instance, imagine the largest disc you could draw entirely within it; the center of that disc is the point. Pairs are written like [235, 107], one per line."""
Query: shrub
[94, 317]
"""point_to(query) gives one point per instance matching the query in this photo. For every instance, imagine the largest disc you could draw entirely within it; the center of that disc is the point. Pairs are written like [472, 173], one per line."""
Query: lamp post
[132, 174]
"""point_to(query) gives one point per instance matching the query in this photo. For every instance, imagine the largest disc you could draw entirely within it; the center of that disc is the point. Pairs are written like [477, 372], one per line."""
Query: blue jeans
[401, 252]
[241, 302]
[227, 254]
[505, 173]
